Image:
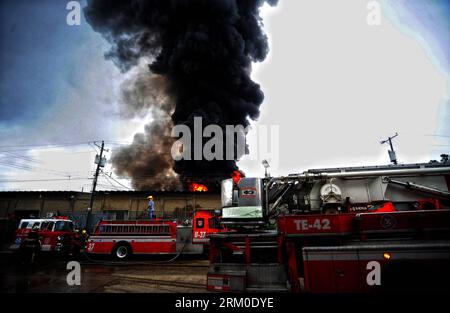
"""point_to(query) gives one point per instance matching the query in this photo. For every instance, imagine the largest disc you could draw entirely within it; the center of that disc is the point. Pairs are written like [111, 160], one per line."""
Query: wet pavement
[143, 274]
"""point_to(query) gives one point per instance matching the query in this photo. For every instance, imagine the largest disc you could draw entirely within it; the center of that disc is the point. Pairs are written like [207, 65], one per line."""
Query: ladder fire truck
[355, 229]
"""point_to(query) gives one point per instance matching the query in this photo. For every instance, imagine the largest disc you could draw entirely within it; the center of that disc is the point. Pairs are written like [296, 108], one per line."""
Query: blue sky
[429, 23]
[54, 78]
[57, 88]
[36, 54]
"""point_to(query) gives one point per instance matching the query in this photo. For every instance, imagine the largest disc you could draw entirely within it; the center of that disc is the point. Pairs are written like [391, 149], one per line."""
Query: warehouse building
[116, 205]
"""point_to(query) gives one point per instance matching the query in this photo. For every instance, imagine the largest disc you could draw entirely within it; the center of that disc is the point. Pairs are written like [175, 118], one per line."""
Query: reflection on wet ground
[147, 274]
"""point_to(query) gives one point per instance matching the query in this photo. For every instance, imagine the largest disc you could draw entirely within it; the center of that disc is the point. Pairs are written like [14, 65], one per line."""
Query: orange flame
[236, 175]
[198, 187]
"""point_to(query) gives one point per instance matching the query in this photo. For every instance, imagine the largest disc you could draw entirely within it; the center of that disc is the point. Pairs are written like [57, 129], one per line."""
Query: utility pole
[100, 161]
[391, 152]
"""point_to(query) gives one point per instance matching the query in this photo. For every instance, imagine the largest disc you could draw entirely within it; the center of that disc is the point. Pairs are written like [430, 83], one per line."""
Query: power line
[436, 135]
[110, 186]
[15, 148]
[120, 184]
[49, 144]
[41, 180]
[32, 168]
[110, 177]
[22, 157]
[16, 166]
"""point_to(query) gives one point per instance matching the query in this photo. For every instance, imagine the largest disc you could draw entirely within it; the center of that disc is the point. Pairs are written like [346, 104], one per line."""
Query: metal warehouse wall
[50, 202]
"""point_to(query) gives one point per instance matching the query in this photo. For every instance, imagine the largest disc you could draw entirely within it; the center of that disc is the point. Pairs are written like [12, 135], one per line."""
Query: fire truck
[336, 230]
[121, 239]
[56, 234]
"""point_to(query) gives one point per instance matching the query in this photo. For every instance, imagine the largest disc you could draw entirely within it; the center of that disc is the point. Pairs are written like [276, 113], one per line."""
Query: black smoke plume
[204, 50]
[141, 95]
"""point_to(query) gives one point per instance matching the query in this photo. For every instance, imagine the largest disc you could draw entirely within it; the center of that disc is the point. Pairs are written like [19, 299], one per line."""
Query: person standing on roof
[151, 207]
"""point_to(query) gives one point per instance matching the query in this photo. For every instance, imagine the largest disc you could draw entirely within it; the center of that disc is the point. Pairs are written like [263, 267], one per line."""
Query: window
[50, 225]
[213, 222]
[63, 226]
[23, 225]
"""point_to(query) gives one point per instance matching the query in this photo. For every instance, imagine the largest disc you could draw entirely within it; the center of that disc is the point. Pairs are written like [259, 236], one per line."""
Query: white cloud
[336, 86]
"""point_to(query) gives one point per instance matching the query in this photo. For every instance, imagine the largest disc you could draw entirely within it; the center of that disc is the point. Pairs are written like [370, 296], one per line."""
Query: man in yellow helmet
[151, 207]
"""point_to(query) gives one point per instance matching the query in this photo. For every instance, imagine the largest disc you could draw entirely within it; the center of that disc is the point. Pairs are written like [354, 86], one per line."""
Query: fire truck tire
[122, 251]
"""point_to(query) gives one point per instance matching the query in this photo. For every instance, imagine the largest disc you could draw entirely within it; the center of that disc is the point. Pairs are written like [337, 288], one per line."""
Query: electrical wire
[14, 148]
[109, 177]
[42, 180]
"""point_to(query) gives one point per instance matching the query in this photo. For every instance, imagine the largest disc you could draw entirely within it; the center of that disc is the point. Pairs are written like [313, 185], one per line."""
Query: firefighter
[79, 241]
[30, 246]
[151, 207]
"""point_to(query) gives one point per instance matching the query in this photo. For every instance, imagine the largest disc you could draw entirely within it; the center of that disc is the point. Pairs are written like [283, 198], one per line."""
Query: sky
[334, 88]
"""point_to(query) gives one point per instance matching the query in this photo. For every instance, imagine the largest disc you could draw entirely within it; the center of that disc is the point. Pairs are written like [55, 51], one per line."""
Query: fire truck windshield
[23, 225]
[63, 226]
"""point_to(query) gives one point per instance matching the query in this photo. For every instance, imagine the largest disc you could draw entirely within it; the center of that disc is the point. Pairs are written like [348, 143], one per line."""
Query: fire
[198, 187]
[236, 175]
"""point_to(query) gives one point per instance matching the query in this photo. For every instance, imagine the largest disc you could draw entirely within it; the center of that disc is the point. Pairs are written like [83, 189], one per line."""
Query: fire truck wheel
[122, 251]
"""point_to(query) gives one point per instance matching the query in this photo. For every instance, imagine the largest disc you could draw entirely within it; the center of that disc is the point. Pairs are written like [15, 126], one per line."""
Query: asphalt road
[143, 274]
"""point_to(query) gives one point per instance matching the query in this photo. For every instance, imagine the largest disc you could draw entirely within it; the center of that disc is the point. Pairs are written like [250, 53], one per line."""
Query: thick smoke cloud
[141, 95]
[204, 50]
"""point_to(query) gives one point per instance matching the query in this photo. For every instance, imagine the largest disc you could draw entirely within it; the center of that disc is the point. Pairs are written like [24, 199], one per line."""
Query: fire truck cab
[205, 222]
[56, 234]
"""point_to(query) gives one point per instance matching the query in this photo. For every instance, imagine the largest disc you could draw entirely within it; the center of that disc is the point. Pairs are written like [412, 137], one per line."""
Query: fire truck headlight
[387, 256]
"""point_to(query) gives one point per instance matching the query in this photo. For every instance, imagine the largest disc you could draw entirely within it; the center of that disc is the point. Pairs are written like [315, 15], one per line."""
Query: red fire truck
[356, 229]
[55, 234]
[124, 238]
[205, 223]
